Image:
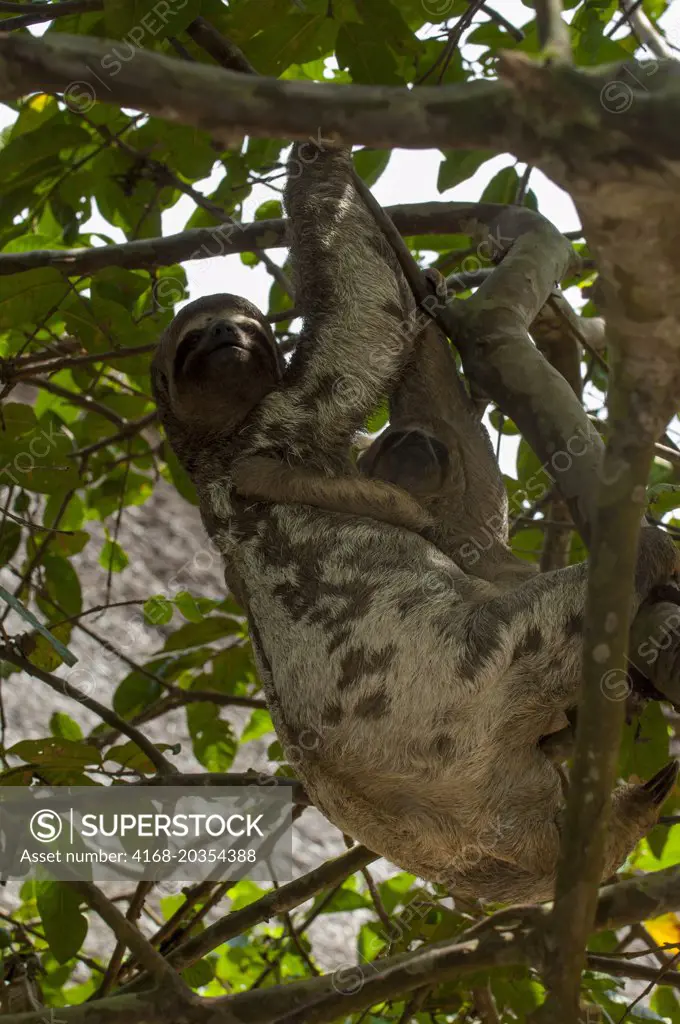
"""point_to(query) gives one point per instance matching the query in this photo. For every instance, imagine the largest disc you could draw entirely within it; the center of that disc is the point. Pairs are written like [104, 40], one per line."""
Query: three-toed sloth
[411, 692]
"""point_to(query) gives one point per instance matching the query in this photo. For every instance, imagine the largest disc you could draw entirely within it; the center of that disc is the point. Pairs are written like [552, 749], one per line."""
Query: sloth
[411, 697]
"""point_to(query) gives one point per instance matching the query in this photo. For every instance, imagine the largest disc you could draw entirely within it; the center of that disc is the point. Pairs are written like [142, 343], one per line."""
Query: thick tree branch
[628, 220]
[224, 240]
[562, 351]
[553, 32]
[613, 555]
[478, 114]
[231, 105]
[500, 357]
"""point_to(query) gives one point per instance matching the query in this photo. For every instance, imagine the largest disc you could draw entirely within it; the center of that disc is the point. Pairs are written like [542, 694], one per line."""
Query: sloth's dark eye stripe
[188, 342]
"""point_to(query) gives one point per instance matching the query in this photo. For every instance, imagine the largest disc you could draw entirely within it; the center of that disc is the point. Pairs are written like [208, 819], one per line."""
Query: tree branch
[281, 900]
[125, 931]
[644, 30]
[478, 114]
[77, 398]
[638, 403]
[553, 31]
[106, 714]
[39, 13]
[231, 105]
[224, 240]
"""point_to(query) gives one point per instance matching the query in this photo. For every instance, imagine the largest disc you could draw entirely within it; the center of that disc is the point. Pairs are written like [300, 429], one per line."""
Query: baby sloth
[410, 696]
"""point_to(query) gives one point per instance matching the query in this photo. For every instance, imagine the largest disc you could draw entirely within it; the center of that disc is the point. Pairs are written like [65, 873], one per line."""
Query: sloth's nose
[222, 332]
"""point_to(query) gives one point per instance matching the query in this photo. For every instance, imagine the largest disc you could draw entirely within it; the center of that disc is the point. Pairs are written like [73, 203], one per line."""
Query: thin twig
[126, 431]
[44, 12]
[133, 912]
[660, 974]
[126, 932]
[645, 32]
[516, 33]
[32, 365]
[76, 398]
[109, 716]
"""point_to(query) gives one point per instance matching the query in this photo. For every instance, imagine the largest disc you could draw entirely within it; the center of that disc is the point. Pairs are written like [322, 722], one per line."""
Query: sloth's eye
[188, 342]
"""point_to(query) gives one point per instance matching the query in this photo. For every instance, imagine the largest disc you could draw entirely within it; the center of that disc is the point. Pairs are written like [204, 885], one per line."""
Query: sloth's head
[214, 363]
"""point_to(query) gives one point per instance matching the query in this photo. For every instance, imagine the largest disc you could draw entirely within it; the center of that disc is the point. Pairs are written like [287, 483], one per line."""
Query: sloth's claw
[660, 785]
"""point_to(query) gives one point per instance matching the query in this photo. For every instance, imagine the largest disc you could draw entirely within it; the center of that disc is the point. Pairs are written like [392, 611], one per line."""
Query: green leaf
[665, 1001]
[259, 725]
[65, 927]
[366, 56]
[213, 739]
[112, 557]
[370, 163]
[41, 650]
[378, 419]
[345, 899]
[10, 537]
[196, 633]
[644, 749]
[62, 585]
[243, 894]
[116, 490]
[199, 974]
[533, 478]
[502, 188]
[41, 148]
[67, 545]
[294, 39]
[17, 421]
[460, 164]
[158, 611]
[40, 460]
[663, 498]
[27, 299]
[188, 606]
[393, 891]
[129, 755]
[62, 726]
[275, 751]
[135, 693]
[269, 210]
[232, 669]
[56, 751]
[142, 21]
[502, 423]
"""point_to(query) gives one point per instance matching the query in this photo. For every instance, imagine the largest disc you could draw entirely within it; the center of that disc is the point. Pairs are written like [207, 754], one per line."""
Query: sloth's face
[215, 362]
